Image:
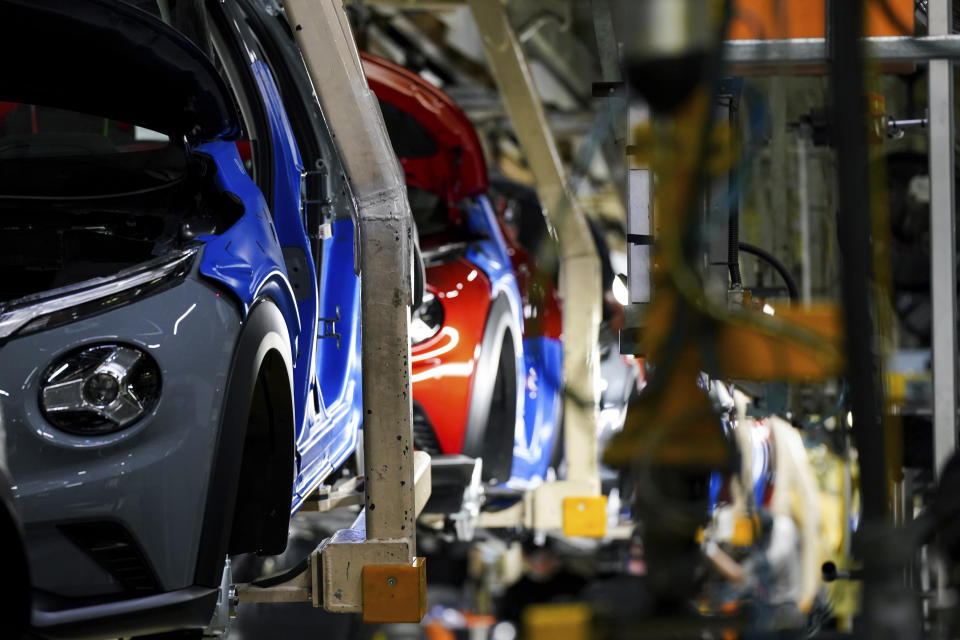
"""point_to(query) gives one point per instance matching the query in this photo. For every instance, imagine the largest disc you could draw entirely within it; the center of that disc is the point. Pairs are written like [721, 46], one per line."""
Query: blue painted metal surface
[539, 380]
[333, 433]
[543, 360]
[326, 430]
[324, 324]
[490, 253]
[246, 258]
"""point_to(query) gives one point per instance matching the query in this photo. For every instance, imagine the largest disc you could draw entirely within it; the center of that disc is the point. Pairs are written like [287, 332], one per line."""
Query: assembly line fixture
[575, 503]
[372, 567]
[939, 49]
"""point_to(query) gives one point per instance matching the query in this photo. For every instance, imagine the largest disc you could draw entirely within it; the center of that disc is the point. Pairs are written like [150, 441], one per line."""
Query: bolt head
[392, 582]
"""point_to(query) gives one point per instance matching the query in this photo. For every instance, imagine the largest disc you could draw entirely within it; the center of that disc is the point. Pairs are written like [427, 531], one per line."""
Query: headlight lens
[100, 389]
[427, 320]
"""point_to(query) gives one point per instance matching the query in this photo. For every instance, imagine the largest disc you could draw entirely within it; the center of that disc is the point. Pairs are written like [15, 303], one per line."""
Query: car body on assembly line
[179, 321]
[486, 376]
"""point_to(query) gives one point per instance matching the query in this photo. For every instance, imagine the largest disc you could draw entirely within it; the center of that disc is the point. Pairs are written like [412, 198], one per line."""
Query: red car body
[445, 366]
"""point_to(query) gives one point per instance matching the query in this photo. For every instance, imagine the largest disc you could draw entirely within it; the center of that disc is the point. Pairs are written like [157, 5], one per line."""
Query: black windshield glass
[56, 153]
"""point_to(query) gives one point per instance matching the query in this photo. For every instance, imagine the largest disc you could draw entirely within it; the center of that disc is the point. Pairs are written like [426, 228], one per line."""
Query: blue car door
[313, 215]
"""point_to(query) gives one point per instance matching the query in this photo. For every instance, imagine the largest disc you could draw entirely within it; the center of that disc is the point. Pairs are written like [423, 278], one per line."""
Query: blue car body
[249, 260]
[539, 363]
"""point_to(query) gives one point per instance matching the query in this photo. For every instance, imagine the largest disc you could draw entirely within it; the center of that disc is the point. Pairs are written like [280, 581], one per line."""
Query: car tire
[492, 416]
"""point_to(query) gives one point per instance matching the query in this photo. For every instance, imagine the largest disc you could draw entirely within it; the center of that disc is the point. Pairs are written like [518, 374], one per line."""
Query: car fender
[246, 258]
[264, 331]
[499, 319]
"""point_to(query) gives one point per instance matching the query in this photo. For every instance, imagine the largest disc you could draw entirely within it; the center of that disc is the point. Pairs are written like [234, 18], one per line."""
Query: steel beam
[384, 254]
[580, 280]
[803, 51]
[943, 251]
[417, 4]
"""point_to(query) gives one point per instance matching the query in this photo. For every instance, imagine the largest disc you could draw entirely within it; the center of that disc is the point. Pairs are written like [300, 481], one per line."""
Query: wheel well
[265, 485]
[493, 399]
[498, 444]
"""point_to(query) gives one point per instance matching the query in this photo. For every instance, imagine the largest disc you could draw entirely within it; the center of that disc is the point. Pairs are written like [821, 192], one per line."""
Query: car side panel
[333, 432]
[287, 221]
[543, 360]
[444, 366]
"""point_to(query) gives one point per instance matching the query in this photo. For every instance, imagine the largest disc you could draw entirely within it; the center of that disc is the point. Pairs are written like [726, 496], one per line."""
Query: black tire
[492, 416]
[419, 273]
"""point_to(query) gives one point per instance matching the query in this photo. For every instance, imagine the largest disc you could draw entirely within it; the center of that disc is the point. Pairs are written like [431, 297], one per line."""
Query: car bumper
[174, 610]
[147, 483]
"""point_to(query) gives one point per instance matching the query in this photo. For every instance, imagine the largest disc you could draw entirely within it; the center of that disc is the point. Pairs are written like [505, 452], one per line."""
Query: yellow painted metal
[580, 279]
[585, 517]
[571, 621]
[395, 593]
[743, 531]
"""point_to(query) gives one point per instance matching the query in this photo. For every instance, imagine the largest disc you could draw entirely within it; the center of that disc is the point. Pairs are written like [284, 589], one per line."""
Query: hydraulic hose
[792, 290]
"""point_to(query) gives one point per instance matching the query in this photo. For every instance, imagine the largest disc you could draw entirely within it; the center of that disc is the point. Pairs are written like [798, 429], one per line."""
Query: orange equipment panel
[761, 19]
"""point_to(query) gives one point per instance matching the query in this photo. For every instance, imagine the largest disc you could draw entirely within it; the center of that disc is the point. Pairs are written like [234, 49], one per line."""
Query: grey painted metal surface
[943, 251]
[152, 476]
[814, 50]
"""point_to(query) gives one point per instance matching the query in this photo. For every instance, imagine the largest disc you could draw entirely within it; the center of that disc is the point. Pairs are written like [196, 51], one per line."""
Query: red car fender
[443, 367]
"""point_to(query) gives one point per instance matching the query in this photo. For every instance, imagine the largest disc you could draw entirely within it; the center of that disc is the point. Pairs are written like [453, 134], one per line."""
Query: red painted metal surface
[443, 367]
[458, 169]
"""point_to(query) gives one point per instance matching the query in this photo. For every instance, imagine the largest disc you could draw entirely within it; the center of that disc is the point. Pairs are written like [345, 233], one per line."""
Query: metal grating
[424, 436]
[111, 546]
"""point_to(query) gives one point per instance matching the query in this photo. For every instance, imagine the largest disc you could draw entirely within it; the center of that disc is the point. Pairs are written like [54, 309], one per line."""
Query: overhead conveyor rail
[815, 50]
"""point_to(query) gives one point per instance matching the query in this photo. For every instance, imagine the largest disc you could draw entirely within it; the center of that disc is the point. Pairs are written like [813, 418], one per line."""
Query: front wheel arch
[490, 429]
[262, 364]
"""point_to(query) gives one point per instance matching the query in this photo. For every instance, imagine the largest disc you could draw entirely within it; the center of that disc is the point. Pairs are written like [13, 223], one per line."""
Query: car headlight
[427, 320]
[100, 389]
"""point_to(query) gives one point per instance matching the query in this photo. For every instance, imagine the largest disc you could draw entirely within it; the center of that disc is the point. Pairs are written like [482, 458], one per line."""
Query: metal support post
[384, 251]
[580, 280]
[943, 281]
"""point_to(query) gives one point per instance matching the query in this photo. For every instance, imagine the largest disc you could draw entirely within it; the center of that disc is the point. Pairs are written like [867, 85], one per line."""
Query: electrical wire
[837, 408]
[792, 289]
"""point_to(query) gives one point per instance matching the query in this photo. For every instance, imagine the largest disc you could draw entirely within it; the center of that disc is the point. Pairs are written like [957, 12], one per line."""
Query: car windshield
[56, 153]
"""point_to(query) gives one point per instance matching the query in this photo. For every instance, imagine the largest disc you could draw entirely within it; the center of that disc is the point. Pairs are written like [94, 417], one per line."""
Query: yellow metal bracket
[585, 517]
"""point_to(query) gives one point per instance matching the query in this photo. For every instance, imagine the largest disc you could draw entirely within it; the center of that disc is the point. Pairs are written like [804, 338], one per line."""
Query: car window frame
[236, 58]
